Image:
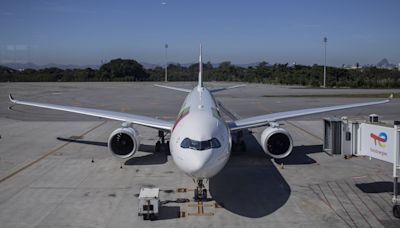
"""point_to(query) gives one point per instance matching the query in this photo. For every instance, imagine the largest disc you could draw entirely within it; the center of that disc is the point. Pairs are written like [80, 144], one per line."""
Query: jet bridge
[373, 139]
[332, 136]
[382, 142]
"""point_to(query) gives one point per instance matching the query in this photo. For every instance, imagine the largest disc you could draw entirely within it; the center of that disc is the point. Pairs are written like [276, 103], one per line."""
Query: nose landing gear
[200, 193]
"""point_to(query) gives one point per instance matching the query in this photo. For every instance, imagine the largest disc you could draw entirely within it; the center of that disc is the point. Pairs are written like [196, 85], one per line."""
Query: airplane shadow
[299, 155]
[169, 212]
[80, 141]
[377, 187]
[142, 147]
[250, 185]
[150, 159]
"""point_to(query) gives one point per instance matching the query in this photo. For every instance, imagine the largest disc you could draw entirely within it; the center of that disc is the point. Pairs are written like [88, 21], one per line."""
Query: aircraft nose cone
[197, 165]
[199, 162]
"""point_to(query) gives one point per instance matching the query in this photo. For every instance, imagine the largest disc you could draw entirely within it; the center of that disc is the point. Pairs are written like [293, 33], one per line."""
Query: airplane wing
[263, 120]
[174, 88]
[125, 117]
[213, 90]
[225, 88]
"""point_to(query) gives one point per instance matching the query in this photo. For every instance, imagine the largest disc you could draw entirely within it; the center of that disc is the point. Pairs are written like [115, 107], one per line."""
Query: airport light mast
[166, 62]
[325, 41]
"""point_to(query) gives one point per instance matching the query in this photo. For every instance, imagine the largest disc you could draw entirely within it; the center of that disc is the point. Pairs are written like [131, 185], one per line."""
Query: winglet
[11, 98]
[391, 96]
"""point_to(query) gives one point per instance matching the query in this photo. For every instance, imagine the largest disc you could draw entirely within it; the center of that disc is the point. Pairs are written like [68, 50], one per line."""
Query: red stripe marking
[376, 137]
[179, 119]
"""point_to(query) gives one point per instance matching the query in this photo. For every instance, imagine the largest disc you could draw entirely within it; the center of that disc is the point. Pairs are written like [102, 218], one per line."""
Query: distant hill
[18, 66]
[245, 65]
[4, 69]
[149, 65]
[384, 63]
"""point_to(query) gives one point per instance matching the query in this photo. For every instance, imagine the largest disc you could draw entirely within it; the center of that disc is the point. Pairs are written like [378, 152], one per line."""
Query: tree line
[131, 70]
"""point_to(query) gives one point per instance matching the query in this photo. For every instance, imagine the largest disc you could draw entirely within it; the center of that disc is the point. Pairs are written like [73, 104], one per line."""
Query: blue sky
[89, 31]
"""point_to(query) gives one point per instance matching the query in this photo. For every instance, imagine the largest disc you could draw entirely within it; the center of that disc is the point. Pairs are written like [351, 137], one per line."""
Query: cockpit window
[200, 145]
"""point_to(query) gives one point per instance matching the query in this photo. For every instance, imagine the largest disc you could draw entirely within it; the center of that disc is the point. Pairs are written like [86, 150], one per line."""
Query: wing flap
[120, 116]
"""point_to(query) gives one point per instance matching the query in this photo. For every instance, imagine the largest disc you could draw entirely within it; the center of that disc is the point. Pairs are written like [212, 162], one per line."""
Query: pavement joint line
[362, 201]
[374, 200]
[65, 197]
[384, 199]
[352, 203]
[335, 196]
[326, 201]
[300, 128]
[52, 151]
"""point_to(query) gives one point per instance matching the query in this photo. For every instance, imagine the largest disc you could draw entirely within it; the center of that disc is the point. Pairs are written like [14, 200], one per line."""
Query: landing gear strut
[238, 144]
[161, 144]
[200, 193]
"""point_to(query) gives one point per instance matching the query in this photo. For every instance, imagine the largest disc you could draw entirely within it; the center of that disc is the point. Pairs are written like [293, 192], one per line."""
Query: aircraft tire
[157, 147]
[243, 146]
[396, 211]
[196, 195]
[204, 195]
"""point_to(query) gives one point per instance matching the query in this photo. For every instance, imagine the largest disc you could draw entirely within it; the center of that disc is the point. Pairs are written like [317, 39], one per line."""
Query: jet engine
[124, 142]
[276, 142]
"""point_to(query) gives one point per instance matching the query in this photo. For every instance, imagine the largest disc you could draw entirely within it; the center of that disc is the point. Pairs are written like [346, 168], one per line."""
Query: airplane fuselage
[200, 141]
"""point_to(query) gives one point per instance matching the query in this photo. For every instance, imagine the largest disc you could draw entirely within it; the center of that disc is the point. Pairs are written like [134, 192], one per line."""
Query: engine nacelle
[276, 142]
[124, 142]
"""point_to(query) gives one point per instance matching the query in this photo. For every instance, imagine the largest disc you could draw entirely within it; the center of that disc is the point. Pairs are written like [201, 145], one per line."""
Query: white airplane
[200, 140]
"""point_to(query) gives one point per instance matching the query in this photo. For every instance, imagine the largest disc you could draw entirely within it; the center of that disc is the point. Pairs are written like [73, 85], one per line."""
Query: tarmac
[47, 182]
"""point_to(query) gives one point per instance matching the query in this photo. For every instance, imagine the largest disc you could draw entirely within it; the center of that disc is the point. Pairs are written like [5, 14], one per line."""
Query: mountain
[18, 66]
[384, 63]
[149, 65]
[247, 65]
[215, 65]
[6, 69]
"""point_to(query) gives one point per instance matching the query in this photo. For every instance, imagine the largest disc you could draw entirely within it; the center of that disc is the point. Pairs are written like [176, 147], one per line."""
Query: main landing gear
[161, 144]
[238, 144]
[200, 193]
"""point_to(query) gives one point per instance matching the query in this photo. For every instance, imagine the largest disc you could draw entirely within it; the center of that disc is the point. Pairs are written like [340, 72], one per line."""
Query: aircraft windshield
[200, 145]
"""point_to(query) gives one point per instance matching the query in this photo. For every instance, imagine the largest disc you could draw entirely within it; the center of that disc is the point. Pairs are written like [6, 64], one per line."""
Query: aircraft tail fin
[200, 84]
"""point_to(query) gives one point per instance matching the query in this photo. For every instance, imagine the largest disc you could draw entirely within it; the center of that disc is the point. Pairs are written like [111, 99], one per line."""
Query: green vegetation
[130, 70]
[115, 70]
